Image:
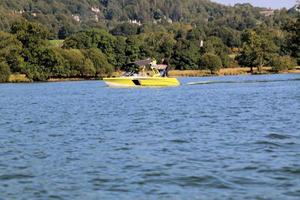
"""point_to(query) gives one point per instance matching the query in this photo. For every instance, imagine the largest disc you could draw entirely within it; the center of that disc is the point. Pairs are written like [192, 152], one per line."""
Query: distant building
[19, 12]
[169, 20]
[95, 10]
[76, 18]
[135, 22]
[267, 13]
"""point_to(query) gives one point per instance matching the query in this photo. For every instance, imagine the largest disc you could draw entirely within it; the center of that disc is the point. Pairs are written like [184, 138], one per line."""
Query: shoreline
[21, 78]
[229, 72]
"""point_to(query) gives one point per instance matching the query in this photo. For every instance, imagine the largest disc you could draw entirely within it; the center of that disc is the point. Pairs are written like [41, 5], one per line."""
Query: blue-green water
[234, 138]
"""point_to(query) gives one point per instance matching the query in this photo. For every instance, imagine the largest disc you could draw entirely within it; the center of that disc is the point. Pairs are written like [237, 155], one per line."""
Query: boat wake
[243, 81]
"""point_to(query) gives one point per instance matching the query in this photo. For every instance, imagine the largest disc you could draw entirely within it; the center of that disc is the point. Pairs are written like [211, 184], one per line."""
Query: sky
[262, 3]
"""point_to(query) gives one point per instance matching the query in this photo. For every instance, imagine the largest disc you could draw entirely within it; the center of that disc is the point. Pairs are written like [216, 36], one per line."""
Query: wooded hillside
[64, 17]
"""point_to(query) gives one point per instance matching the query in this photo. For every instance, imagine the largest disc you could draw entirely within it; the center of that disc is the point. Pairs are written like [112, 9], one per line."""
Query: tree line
[229, 37]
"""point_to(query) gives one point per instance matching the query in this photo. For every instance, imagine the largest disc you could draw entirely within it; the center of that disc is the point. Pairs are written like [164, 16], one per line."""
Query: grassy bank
[18, 78]
[226, 72]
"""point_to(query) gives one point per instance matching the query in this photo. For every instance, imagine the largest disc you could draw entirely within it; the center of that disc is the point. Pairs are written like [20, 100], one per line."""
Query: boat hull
[141, 82]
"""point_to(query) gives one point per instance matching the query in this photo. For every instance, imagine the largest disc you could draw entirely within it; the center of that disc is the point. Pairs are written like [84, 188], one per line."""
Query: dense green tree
[186, 55]
[4, 72]
[126, 29]
[132, 51]
[30, 34]
[214, 45]
[10, 51]
[257, 50]
[196, 34]
[88, 69]
[282, 63]
[100, 62]
[94, 38]
[105, 42]
[158, 45]
[40, 59]
[212, 62]
[79, 41]
[64, 32]
[120, 48]
[229, 36]
[44, 63]
[75, 62]
[294, 40]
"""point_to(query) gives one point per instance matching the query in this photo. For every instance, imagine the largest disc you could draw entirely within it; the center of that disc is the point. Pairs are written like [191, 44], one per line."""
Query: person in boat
[165, 61]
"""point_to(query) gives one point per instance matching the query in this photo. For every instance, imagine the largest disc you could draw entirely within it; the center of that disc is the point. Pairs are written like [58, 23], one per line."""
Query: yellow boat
[137, 76]
[141, 81]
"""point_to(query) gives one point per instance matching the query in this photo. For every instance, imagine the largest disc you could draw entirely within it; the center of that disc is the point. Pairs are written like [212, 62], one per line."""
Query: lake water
[211, 138]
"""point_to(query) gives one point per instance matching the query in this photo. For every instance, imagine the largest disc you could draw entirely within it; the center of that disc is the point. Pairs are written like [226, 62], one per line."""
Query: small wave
[154, 174]
[295, 193]
[55, 135]
[179, 141]
[100, 182]
[209, 82]
[15, 176]
[277, 136]
[246, 181]
[122, 149]
[291, 170]
[54, 197]
[207, 181]
[268, 143]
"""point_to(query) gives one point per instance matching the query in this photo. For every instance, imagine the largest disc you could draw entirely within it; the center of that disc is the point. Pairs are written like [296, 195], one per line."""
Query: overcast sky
[262, 3]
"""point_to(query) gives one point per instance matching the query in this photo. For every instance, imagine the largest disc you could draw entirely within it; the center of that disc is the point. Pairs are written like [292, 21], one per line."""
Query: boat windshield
[145, 68]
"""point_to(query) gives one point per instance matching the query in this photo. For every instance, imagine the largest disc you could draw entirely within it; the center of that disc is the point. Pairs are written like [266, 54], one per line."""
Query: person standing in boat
[165, 61]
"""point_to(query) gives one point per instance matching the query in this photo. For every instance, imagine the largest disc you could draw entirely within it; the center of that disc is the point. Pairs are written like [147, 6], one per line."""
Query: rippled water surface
[211, 138]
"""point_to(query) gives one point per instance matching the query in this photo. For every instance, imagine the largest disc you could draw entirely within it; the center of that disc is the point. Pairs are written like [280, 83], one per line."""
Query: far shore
[21, 78]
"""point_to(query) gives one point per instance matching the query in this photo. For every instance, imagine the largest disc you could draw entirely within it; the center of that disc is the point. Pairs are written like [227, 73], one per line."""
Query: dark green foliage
[283, 63]
[186, 55]
[79, 41]
[64, 32]
[214, 45]
[88, 69]
[35, 73]
[126, 29]
[99, 60]
[120, 47]
[258, 50]
[133, 51]
[94, 38]
[30, 34]
[44, 64]
[10, 51]
[294, 40]
[229, 36]
[196, 34]
[212, 62]
[4, 72]
[158, 45]
[76, 63]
